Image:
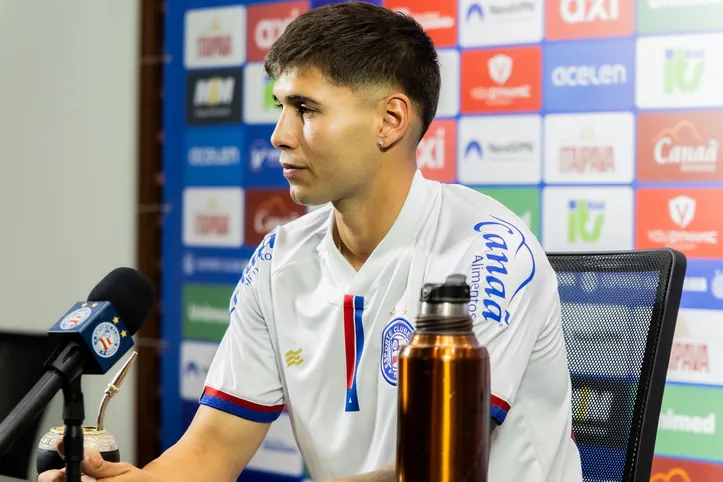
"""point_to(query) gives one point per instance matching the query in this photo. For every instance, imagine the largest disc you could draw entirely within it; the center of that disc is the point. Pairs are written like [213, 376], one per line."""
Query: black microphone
[91, 337]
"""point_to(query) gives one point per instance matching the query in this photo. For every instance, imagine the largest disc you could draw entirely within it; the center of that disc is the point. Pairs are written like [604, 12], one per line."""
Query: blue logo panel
[703, 288]
[262, 159]
[589, 76]
[214, 156]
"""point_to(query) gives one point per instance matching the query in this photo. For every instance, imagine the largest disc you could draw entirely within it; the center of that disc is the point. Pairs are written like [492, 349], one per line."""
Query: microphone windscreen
[131, 294]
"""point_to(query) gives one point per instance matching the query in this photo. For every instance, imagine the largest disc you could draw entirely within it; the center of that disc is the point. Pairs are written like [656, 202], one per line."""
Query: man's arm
[216, 446]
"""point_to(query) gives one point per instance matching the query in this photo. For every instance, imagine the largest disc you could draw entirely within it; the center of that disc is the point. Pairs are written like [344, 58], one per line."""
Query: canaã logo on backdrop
[689, 424]
[676, 470]
[266, 24]
[213, 97]
[501, 80]
[686, 220]
[438, 19]
[214, 37]
[212, 217]
[589, 148]
[267, 209]
[587, 218]
[665, 16]
[567, 19]
[436, 152]
[679, 71]
[680, 146]
[524, 202]
[205, 311]
[499, 149]
[499, 22]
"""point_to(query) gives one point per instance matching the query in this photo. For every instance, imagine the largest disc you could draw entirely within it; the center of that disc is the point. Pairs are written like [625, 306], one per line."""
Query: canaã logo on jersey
[589, 18]
[493, 289]
[436, 151]
[262, 254]
[266, 24]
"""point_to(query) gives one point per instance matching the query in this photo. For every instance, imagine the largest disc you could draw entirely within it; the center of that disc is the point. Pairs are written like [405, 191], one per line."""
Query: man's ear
[397, 116]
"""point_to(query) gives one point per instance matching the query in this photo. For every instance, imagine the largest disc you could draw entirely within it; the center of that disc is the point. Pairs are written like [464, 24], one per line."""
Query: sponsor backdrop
[597, 121]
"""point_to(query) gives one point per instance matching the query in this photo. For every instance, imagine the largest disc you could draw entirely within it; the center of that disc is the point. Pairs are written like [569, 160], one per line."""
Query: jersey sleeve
[503, 268]
[244, 377]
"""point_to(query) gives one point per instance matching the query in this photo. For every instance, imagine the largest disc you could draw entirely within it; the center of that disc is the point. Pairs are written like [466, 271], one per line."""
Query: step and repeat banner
[599, 122]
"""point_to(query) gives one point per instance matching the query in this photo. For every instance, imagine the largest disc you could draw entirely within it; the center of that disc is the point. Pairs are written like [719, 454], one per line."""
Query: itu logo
[498, 286]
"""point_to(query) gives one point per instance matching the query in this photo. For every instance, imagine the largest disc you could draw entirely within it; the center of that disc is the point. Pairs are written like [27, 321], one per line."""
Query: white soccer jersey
[309, 332]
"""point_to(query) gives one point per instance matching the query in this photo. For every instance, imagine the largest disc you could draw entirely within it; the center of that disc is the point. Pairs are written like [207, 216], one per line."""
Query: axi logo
[683, 70]
[688, 221]
[436, 152]
[266, 24]
[589, 18]
[267, 209]
[585, 221]
[676, 146]
[501, 81]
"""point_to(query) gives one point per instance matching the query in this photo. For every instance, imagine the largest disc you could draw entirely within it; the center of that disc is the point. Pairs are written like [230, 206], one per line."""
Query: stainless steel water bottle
[443, 392]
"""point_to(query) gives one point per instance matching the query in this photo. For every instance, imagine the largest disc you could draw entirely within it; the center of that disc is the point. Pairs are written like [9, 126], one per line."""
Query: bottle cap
[454, 290]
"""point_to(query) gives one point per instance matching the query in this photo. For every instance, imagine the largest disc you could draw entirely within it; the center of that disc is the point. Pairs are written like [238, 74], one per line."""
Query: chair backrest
[618, 312]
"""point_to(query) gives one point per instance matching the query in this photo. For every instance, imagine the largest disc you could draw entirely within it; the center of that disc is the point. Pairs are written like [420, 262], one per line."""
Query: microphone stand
[73, 416]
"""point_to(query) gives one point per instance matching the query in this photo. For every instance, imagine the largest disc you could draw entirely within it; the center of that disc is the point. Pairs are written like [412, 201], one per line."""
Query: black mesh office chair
[618, 312]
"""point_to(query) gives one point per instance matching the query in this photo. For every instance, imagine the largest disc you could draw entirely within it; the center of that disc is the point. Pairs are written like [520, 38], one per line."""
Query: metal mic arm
[113, 388]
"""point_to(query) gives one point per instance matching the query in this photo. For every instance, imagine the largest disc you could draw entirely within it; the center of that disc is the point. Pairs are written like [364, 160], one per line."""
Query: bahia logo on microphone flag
[96, 324]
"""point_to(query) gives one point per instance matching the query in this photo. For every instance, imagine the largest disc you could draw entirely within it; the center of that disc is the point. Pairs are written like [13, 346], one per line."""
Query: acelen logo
[266, 24]
[438, 19]
[501, 80]
[688, 221]
[436, 152]
[568, 19]
[680, 146]
[267, 209]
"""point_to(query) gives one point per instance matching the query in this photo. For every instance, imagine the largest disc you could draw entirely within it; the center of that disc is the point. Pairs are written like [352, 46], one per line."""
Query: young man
[325, 297]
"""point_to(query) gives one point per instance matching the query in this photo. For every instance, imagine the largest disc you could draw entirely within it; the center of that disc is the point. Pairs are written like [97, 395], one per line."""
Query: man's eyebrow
[298, 99]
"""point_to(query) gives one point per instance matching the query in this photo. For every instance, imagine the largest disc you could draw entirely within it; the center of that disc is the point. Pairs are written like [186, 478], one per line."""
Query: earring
[381, 143]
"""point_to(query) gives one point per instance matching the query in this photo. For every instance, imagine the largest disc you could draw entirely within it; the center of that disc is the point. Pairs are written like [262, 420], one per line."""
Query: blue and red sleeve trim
[498, 409]
[239, 407]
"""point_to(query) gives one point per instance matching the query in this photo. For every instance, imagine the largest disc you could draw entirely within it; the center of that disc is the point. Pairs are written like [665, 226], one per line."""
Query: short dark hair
[356, 44]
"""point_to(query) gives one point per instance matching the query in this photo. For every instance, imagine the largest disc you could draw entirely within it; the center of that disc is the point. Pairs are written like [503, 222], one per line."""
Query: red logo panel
[266, 209]
[438, 19]
[437, 151]
[266, 23]
[673, 470]
[680, 146]
[687, 220]
[496, 80]
[568, 19]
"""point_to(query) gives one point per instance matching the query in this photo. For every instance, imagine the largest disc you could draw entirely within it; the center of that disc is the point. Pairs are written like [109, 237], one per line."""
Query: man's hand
[96, 469]
[387, 474]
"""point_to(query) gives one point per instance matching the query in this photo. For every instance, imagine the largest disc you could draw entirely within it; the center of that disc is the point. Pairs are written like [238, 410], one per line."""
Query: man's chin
[304, 197]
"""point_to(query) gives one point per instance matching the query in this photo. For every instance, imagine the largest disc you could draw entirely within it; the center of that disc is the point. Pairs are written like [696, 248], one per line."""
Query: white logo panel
[499, 149]
[215, 37]
[258, 105]
[499, 22]
[587, 219]
[196, 358]
[589, 148]
[213, 217]
[679, 71]
[697, 352]
[448, 105]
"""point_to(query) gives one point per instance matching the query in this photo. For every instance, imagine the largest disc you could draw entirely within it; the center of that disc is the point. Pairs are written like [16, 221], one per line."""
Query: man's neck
[362, 222]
